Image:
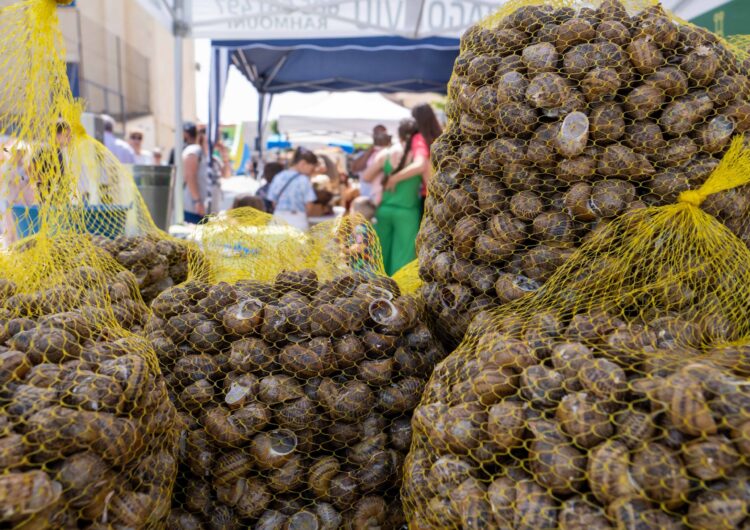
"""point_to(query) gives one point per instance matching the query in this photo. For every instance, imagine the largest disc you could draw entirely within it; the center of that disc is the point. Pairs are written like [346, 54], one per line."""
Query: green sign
[733, 18]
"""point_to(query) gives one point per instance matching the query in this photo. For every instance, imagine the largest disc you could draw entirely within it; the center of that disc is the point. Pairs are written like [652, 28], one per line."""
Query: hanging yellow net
[87, 434]
[562, 115]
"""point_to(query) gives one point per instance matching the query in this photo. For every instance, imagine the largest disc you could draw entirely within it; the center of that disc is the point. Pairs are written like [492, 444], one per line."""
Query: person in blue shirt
[291, 191]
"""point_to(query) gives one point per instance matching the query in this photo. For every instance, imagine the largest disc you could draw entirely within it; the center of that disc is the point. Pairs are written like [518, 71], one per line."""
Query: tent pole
[259, 139]
[178, 30]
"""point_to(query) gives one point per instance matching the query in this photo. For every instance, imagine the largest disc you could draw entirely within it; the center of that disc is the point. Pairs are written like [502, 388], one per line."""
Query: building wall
[146, 69]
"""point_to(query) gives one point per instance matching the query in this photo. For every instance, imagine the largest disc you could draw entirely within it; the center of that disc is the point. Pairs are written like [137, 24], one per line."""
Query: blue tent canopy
[371, 64]
[367, 64]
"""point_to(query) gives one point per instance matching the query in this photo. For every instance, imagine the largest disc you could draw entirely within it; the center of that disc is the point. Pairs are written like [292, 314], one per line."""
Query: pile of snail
[87, 432]
[560, 119]
[593, 422]
[296, 399]
[157, 263]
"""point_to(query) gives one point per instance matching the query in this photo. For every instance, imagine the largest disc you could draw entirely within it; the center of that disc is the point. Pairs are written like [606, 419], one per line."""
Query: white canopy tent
[347, 113]
[299, 19]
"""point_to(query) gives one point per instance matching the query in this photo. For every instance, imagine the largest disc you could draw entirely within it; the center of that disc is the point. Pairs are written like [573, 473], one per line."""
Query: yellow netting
[408, 279]
[88, 436]
[295, 365]
[561, 116]
[615, 396]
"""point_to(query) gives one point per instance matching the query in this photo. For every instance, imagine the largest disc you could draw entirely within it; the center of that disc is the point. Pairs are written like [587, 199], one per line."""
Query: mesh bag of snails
[56, 179]
[561, 116]
[88, 436]
[616, 396]
[295, 391]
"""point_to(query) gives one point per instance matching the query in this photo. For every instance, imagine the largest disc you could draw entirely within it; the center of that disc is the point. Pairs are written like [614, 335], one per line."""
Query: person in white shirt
[142, 157]
[120, 148]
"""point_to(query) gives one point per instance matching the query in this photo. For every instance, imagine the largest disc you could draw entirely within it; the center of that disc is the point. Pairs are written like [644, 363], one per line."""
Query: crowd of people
[386, 183]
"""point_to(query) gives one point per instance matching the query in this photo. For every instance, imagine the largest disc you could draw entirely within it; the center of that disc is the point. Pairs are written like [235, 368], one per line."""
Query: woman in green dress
[398, 214]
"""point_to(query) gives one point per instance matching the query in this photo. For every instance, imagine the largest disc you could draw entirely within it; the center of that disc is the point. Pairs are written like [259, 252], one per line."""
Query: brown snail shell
[643, 101]
[394, 317]
[515, 119]
[511, 87]
[583, 420]
[506, 424]
[574, 31]
[620, 161]
[700, 65]
[526, 205]
[509, 287]
[645, 137]
[274, 389]
[614, 31]
[273, 449]
[87, 480]
[239, 389]
[710, 458]
[688, 408]
[601, 84]
[547, 90]
[288, 477]
[645, 55]
[682, 114]
[329, 320]
[660, 473]
[670, 80]
[607, 123]
[379, 343]
[218, 424]
[634, 426]
[230, 467]
[296, 414]
[304, 282]
[309, 359]
[377, 471]
[321, 474]
[535, 505]
[553, 228]
[350, 401]
[193, 368]
[197, 394]
[603, 379]
[541, 57]
[129, 508]
[610, 197]
[715, 135]
[542, 386]
[244, 317]
[578, 513]
[541, 148]
[506, 228]
[723, 510]
[400, 434]
[608, 472]
[349, 350]
[555, 463]
[344, 491]
[401, 396]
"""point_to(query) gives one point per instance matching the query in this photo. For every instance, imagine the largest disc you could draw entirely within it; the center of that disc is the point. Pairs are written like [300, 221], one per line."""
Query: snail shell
[379, 343]
[289, 476]
[344, 491]
[535, 507]
[376, 472]
[274, 389]
[583, 420]
[714, 136]
[365, 450]
[660, 473]
[609, 472]
[129, 508]
[526, 205]
[688, 409]
[539, 58]
[401, 396]
[634, 426]
[542, 386]
[349, 351]
[182, 520]
[603, 379]
[244, 317]
[548, 90]
[296, 414]
[273, 449]
[196, 395]
[670, 80]
[620, 161]
[86, 480]
[509, 287]
[232, 466]
[506, 424]
[645, 55]
[239, 389]
[218, 424]
[710, 458]
[722, 510]
[193, 368]
[700, 65]
[313, 358]
[395, 316]
[349, 401]
[321, 474]
[607, 123]
[682, 114]
[555, 463]
[448, 472]
[369, 512]
[574, 31]
[400, 434]
[329, 320]
[578, 513]
[638, 513]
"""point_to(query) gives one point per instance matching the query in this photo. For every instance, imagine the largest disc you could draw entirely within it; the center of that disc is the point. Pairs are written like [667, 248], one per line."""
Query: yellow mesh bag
[561, 116]
[407, 278]
[60, 180]
[295, 366]
[87, 434]
[616, 396]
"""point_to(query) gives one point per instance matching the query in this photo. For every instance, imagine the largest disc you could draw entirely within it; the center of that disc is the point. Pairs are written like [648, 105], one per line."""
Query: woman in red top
[429, 130]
